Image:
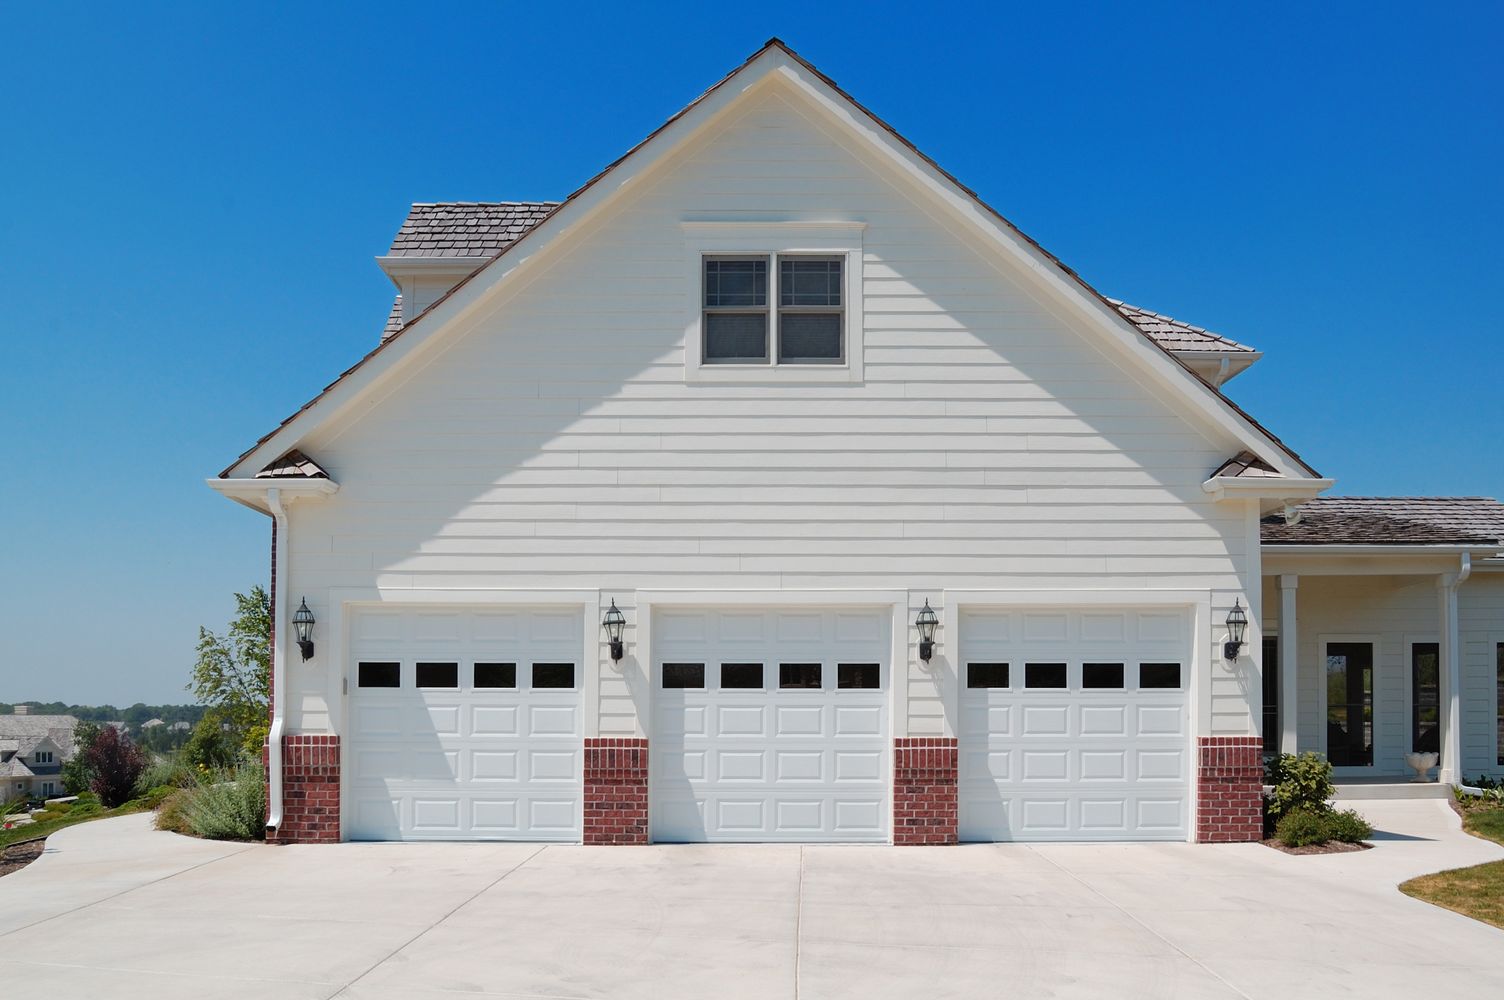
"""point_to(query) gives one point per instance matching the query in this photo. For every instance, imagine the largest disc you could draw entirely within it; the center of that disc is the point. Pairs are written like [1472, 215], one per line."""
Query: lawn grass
[1476, 892]
[32, 831]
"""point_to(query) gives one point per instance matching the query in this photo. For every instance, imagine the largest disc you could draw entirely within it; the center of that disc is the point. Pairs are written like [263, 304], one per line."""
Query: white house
[33, 749]
[774, 388]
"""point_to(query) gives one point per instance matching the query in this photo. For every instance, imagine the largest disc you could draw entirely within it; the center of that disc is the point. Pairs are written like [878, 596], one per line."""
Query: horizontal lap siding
[557, 445]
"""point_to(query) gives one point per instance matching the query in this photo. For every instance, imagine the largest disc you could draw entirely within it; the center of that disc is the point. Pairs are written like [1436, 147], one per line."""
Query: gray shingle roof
[1174, 335]
[293, 465]
[1245, 465]
[27, 730]
[466, 228]
[16, 768]
[1391, 521]
[393, 319]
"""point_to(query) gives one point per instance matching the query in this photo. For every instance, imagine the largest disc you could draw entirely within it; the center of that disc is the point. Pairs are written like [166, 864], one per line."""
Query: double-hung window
[774, 309]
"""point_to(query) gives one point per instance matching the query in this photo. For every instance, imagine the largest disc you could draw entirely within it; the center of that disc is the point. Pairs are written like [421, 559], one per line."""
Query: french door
[1349, 704]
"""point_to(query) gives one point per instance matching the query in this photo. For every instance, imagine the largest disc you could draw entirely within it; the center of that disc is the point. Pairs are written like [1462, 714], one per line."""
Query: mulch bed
[18, 856]
[1330, 847]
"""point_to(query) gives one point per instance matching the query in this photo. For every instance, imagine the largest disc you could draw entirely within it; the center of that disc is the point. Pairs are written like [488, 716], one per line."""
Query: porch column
[1289, 674]
[1450, 670]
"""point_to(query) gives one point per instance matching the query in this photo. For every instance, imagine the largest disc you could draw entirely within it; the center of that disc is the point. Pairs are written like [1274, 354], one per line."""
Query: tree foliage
[233, 672]
[114, 764]
[210, 748]
[76, 775]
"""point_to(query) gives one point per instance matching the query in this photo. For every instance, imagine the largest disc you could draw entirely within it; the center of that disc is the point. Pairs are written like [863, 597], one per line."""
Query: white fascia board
[1063, 288]
[1265, 488]
[397, 268]
[252, 492]
[512, 266]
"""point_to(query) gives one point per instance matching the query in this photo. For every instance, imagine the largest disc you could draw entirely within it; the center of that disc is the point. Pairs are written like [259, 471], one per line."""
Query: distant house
[180, 727]
[32, 751]
[152, 724]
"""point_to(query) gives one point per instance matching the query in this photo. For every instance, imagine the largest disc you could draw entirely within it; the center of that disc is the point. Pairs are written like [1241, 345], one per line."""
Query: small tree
[114, 763]
[76, 775]
[209, 748]
[233, 672]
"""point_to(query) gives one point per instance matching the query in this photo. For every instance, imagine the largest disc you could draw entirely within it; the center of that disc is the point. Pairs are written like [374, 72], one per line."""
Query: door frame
[1323, 640]
[895, 601]
[1411, 639]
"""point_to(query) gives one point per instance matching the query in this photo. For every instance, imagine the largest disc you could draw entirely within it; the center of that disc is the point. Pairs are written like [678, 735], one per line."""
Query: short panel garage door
[465, 725]
[1074, 725]
[770, 725]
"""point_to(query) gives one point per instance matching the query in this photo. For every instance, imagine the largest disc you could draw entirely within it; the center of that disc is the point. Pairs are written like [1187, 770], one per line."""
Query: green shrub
[230, 810]
[1301, 827]
[209, 748]
[169, 773]
[86, 809]
[45, 816]
[1348, 827]
[1301, 781]
[170, 812]
[84, 798]
[155, 796]
[60, 807]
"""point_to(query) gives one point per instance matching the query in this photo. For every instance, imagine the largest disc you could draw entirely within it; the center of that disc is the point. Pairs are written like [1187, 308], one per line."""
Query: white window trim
[771, 238]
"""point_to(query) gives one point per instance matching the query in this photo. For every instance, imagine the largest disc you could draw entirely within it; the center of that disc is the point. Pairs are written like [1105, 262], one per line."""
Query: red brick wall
[310, 791]
[924, 790]
[1229, 789]
[616, 791]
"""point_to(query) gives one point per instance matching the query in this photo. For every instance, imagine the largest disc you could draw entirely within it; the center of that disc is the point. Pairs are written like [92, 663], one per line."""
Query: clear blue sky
[193, 196]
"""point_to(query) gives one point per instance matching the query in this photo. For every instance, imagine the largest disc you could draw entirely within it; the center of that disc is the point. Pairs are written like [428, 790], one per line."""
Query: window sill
[771, 374]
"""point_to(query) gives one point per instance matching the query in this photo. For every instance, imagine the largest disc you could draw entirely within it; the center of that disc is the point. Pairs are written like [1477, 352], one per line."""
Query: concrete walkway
[116, 909]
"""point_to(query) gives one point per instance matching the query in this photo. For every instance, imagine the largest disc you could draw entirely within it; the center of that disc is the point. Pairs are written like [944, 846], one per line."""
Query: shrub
[230, 810]
[1348, 827]
[60, 807]
[170, 812]
[84, 798]
[115, 763]
[90, 808]
[210, 747]
[155, 796]
[45, 816]
[1301, 781]
[1300, 828]
[162, 772]
[75, 771]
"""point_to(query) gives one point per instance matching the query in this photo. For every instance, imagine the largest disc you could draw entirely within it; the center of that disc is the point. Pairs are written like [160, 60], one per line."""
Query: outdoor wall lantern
[613, 623]
[926, 623]
[302, 620]
[1237, 628]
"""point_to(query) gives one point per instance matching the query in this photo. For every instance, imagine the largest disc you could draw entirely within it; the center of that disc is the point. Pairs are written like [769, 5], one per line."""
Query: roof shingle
[466, 228]
[1390, 521]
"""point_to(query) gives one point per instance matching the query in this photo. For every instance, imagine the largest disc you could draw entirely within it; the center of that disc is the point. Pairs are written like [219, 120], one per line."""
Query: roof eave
[252, 492]
[1281, 490]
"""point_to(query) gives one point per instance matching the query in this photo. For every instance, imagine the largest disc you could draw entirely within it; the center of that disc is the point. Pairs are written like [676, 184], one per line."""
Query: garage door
[770, 725]
[465, 725]
[1074, 725]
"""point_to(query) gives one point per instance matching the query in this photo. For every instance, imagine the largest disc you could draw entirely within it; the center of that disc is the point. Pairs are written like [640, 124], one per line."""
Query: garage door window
[1102, 675]
[799, 675]
[858, 675]
[553, 675]
[438, 675]
[378, 675]
[741, 675]
[684, 675]
[1159, 675]
[986, 675]
[1044, 675]
[496, 675]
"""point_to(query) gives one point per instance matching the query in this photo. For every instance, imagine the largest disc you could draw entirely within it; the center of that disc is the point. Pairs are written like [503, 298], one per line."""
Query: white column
[1450, 671]
[1289, 662]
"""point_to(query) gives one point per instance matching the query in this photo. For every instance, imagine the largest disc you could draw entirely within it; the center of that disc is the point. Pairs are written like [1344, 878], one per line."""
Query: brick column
[310, 791]
[1229, 789]
[616, 791]
[924, 790]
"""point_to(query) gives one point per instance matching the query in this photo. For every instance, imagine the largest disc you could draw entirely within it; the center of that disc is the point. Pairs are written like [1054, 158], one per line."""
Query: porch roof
[1390, 521]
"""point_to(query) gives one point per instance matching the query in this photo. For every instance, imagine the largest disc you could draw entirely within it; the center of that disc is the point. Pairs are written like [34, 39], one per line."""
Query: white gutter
[279, 664]
[1370, 549]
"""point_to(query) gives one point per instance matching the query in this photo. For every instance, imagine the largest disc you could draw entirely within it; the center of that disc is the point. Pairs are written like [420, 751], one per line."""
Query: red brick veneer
[1229, 789]
[616, 791]
[924, 790]
[310, 791]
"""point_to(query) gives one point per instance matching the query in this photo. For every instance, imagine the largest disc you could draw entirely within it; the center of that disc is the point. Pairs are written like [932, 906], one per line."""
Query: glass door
[1349, 704]
[1425, 698]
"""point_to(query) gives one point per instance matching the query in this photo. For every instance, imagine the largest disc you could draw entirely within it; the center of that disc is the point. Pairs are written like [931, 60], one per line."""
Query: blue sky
[193, 195]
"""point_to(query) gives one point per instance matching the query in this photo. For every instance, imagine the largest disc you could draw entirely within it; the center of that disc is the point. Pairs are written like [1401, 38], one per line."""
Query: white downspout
[279, 665]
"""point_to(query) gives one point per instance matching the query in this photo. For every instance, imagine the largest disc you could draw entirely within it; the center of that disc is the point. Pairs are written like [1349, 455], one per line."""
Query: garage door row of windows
[1092, 676]
[482, 675]
[791, 676]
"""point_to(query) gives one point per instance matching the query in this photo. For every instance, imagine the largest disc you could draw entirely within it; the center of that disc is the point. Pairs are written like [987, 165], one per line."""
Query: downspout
[279, 665]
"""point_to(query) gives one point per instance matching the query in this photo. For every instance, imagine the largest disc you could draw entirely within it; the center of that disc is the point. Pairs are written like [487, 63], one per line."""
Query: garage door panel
[464, 761]
[1108, 761]
[796, 763]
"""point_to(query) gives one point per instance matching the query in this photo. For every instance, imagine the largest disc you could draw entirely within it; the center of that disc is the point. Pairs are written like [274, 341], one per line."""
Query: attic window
[740, 327]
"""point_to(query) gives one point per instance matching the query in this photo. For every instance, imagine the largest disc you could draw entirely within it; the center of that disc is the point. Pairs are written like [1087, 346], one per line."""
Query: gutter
[279, 665]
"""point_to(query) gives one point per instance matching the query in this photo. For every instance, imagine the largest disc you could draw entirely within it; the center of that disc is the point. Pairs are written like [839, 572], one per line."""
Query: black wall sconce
[1237, 629]
[926, 623]
[614, 623]
[302, 621]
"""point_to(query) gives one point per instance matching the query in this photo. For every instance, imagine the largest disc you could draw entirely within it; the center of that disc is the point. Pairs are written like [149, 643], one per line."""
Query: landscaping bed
[1330, 847]
[14, 857]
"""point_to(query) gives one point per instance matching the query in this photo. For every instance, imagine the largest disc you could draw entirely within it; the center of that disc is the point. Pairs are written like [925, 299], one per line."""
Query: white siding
[1392, 612]
[556, 444]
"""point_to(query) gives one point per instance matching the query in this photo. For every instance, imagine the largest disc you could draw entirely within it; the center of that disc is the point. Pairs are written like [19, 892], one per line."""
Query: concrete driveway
[116, 909]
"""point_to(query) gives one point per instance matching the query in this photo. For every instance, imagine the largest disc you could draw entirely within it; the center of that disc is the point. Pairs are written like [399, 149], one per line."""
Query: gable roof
[1390, 521]
[1213, 402]
[16, 768]
[1175, 335]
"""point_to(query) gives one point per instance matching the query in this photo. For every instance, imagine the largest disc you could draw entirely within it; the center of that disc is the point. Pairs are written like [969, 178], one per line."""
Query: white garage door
[465, 725]
[770, 725]
[1074, 725]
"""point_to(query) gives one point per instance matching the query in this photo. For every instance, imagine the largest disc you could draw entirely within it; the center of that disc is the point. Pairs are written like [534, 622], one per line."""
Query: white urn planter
[1421, 763]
